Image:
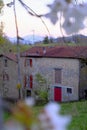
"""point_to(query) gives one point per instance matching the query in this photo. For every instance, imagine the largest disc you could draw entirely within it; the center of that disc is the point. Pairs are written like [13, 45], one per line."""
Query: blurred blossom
[73, 20]
[53, 17]
[50, 119]
[74, 15]
[55, 7]
[13, 125]
[29, 101]
[73, 27]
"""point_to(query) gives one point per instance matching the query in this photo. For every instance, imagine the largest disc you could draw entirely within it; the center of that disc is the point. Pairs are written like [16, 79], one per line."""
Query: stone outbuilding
[8, 76]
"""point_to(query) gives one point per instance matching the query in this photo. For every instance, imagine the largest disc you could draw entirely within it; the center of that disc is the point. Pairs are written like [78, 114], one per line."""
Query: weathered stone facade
[61, 66]
[83, 80]
[69, 68]
[46, 68]
[8, 78]
[40, 71]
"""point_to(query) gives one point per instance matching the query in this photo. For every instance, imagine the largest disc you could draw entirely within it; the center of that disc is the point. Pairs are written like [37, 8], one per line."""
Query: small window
[28, 62]
[5, 77]
[5, 61]
[28, 93]
[69, 90]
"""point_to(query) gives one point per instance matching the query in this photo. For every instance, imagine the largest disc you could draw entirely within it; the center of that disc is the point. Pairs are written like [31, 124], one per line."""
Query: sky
[27, 24]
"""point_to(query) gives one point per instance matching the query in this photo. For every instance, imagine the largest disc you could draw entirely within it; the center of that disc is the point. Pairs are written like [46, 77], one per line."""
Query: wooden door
[57, 94]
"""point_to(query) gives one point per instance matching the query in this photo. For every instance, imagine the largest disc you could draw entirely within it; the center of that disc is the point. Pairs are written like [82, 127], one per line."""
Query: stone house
[64, 68]
[8, 76]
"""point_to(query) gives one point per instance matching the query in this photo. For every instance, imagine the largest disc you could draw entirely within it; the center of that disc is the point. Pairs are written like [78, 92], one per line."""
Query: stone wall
[8, 87]
[46, 66]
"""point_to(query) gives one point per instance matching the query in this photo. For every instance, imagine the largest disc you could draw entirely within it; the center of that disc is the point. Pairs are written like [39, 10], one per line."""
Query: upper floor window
[28, 62]
[5, 76]
[58, 75]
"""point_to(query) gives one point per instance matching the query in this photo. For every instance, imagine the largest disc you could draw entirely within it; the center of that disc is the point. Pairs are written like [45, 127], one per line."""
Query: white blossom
[13, 125]
[30, 101]
[51, 119]
[74, 15]
[53, 17]
[73, 20]
[55, 7]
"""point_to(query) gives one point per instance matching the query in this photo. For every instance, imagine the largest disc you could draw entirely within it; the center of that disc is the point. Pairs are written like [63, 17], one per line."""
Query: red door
[57, 94]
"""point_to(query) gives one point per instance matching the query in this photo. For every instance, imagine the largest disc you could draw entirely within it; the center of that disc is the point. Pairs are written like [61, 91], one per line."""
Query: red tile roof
[10, 56]
[57, 51]
[36, 51]
[68, 52]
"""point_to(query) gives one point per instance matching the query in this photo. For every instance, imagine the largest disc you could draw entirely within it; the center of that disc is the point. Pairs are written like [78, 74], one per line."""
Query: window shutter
[30, 62]
[31, 81]
[24, 81]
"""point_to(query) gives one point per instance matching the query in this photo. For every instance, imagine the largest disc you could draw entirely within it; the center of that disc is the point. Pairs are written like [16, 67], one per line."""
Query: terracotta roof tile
[10, 56]
[57, 51]
[36, 51]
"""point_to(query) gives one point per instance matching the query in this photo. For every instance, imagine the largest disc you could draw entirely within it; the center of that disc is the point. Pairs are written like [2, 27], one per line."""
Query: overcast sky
[28, 24]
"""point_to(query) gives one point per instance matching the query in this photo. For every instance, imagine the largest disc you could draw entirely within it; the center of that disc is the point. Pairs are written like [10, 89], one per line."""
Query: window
[28, 81]
[57, 75]
[5, 76]
[28, 62]
[5, 62]
[28, 93]
[69, 90]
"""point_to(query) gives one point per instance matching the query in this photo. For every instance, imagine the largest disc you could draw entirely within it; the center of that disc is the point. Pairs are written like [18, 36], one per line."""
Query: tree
[1, 28]
[1, 5]
[46, 40]
[1, 23]
[42, 90]
[2, 40]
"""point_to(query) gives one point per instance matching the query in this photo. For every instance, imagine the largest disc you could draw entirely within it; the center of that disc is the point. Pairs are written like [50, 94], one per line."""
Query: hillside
[76, 40]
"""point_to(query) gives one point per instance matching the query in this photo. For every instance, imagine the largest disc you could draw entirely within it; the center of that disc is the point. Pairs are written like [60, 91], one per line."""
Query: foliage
[46, 40]
[1, 28]
[6, 45]
[41, 91]
[23, 117]
[42, 97]
[40, 79]
[1, 5]
[1, 23]
[78, 111]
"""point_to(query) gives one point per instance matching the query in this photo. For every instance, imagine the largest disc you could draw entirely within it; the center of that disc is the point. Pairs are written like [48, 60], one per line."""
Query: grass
[78, 112]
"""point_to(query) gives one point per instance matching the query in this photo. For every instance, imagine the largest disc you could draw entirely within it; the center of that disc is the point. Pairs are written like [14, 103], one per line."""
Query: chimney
[44, 50]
